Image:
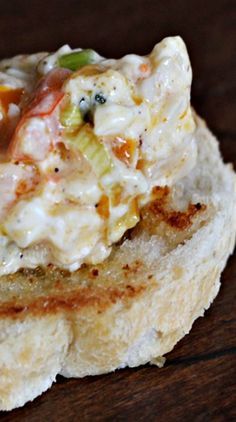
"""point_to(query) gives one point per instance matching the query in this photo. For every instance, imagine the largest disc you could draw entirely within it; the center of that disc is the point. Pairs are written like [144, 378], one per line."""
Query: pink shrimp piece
[32, 138]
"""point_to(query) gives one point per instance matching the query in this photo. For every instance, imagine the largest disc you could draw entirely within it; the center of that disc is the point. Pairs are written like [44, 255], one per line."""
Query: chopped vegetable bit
[103, 207]
[131, 218]
[71, 117]
[76, 60]
[92, 149]
[124, 150]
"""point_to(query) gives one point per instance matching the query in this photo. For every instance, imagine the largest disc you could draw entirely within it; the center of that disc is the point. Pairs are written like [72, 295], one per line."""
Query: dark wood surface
[198, 382]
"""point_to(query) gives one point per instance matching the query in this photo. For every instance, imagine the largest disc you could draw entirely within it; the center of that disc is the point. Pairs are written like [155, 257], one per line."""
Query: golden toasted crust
[98, 297]
[59, 290]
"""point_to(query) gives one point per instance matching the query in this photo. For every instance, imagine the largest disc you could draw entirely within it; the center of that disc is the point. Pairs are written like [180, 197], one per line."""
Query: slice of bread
[135, 306]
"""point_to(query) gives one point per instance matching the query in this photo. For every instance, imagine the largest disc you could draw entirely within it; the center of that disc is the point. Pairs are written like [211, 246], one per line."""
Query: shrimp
[32, 138]
[38, 126]
[15, 181]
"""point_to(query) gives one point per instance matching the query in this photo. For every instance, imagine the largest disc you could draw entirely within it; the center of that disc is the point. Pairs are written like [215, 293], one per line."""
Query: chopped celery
[92, 149]
[77, 59]
[127, 221]
[71, 117]
[131, 218]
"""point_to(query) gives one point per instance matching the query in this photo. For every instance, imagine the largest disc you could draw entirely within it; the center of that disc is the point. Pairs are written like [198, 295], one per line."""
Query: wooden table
[198, 381]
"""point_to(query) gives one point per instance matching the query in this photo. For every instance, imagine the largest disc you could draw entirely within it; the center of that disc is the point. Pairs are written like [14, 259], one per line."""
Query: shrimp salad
[83, 142]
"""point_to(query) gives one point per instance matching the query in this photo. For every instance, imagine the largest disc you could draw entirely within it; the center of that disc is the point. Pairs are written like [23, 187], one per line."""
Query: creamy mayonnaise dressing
[66, 205]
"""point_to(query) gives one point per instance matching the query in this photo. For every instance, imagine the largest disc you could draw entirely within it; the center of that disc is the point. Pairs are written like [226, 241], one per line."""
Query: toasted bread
[132, 308]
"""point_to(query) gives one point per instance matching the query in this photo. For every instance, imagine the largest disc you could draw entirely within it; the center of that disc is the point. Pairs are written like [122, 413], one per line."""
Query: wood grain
[198, 381]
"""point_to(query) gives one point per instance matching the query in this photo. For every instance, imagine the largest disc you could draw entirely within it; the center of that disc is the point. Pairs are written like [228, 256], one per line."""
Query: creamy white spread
[65, 200]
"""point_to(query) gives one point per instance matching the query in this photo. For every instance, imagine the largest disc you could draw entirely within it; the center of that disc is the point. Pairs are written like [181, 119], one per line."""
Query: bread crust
[134, 307]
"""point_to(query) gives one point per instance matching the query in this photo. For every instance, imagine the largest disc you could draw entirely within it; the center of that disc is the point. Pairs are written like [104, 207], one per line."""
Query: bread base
[129, 310]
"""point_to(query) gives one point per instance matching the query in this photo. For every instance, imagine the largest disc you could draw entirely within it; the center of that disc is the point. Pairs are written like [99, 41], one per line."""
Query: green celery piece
[71, 117]
[130, 219]
[93, 150]
[77, 59]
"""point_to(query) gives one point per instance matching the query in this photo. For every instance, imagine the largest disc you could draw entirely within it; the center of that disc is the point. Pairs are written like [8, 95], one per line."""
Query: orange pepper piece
[9, 95]
[124, 150]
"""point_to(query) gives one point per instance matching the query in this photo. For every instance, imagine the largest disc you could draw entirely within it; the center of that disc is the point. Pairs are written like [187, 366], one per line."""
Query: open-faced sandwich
[117, 214]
